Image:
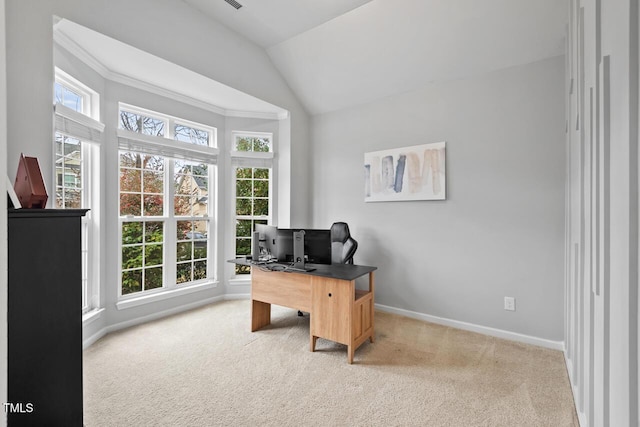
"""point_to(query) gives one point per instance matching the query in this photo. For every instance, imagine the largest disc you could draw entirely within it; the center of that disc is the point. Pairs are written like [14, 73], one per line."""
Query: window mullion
[171, 231]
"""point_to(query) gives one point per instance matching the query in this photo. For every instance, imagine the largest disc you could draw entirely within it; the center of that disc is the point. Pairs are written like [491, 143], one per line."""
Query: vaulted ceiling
[339, 53]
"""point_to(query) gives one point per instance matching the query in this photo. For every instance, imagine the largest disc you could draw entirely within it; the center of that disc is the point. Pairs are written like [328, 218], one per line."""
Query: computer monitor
[268, 235]
[317, 245]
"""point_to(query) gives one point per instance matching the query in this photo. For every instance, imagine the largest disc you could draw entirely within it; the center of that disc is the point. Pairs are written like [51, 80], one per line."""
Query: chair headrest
[340, 232]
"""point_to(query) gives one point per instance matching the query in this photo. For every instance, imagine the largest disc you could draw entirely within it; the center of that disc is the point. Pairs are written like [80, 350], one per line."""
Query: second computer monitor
[317, 245]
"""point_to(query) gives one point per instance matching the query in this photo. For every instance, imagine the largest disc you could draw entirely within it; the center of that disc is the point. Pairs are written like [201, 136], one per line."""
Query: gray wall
[500, 231]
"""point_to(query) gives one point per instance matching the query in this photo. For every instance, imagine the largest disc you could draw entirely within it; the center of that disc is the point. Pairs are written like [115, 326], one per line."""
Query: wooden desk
[339, 312]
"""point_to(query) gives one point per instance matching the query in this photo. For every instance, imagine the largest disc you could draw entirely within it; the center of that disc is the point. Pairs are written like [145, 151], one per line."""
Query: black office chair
[343, 246]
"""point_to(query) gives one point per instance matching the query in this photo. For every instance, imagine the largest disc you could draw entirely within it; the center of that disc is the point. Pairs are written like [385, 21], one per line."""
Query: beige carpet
[204, 368]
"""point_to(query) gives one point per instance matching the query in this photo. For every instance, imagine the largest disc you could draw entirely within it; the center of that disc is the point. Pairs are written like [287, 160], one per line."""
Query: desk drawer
[291, 290]
[332, 302]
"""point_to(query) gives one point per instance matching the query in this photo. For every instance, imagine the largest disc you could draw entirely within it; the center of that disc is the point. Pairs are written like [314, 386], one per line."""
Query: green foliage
[253, 144]
[141, 247]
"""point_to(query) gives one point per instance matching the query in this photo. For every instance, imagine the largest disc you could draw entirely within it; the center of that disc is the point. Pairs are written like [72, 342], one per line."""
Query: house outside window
[167, 167]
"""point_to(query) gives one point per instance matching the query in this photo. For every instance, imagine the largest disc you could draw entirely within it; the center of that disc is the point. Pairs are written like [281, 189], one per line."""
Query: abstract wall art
[408, 173]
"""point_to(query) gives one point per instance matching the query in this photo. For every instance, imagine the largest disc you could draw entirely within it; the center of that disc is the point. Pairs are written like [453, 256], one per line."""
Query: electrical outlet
[510, 303]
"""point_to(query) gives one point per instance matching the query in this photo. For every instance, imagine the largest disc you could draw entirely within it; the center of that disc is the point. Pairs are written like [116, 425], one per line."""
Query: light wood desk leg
[350, 350]
[260, 315]
[313, 343]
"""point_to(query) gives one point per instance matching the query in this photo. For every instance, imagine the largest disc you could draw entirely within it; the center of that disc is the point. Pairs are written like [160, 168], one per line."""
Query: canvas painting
[408, 173]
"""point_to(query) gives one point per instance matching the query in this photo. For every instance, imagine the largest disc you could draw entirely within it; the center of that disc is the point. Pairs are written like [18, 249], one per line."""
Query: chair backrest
[343, 246]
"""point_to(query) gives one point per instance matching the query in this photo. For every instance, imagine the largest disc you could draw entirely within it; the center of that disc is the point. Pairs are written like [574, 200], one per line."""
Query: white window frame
[250, 159]
[83, 123]
[171, 150]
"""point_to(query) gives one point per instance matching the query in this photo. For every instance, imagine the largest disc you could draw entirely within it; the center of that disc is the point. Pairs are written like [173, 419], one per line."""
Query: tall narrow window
[165, 189]
[253, 188]
[77, 133]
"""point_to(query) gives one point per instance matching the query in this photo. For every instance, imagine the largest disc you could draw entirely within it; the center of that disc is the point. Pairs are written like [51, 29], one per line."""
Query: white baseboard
[498, 333]
[513, 336]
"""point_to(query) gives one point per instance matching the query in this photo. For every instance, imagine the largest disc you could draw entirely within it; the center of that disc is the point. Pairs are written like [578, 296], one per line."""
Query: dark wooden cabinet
[45, 317]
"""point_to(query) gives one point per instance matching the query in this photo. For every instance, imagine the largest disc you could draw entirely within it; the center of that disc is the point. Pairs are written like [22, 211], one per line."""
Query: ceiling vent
[234, 3]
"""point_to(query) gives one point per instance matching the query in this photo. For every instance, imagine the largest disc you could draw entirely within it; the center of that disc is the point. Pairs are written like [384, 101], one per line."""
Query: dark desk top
[334, 271]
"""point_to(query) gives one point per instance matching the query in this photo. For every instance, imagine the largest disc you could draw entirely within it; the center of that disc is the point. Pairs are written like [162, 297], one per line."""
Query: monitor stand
[298, 249]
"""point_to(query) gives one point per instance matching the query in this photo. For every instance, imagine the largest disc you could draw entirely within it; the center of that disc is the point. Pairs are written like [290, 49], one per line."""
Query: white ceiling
[268, 22]
[335, 54]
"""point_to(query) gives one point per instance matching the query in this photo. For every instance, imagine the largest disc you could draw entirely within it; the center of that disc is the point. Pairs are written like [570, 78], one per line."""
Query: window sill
[159, 296]
[91, 316]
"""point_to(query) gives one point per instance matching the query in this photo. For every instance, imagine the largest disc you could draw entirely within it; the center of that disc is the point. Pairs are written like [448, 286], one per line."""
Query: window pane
[70, 99]
[261, 207]
[130, 204]
[153, 278]
[183, 272]
[142, 124]
[243, 188]
[131, 257]
[131, 281]
[243, 207]
[131, 232]
[153, 205]
[261, 173]
[191, 135]
[261, 144]
[183, 252]
[200, 249]
[243, 228]
[182, 205]
[130, 180]
[153, 182]
[243, 144]
[258, 144]
[153, 254]
[154, 163]
[199, 270]
[261, 188]
[243, 246]
[129, 121]
[183, 227]
[243, 173]
[130, 160]
[153, 231]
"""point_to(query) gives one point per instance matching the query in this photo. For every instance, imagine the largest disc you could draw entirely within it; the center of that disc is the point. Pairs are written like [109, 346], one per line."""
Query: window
[75, 140]
[165, 220]
[253, 143]
[253, 188]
